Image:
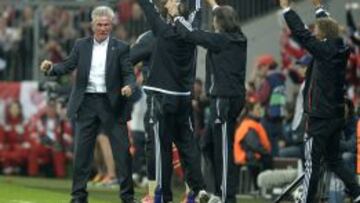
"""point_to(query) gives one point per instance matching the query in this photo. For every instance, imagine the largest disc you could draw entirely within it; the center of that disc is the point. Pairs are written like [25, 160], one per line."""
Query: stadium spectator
[270, 91]
[26, 42]
[50, 142]
[252, 147]
[293, 146]
[16, 143]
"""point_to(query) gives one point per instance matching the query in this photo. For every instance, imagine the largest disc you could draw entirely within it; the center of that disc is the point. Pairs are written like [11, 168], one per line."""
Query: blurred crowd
[271, 124]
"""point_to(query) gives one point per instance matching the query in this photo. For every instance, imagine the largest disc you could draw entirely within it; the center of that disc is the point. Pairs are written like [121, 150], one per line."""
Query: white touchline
[21, 201]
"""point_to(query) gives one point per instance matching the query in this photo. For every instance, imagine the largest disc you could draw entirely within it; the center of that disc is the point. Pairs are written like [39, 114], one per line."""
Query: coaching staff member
[104, 76]
[324, 98]
[225, 85]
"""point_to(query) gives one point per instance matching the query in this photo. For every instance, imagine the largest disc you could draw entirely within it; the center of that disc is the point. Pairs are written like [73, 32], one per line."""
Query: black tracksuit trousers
[219, 142]
[171, 118]
[322, 141]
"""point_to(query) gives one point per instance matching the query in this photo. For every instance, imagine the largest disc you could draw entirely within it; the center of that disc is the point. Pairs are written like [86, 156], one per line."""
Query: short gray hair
[102, 11]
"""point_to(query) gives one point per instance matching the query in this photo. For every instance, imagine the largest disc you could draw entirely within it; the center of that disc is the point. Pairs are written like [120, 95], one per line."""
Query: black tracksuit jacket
[225, 60]
[173, 59]
[325, 77]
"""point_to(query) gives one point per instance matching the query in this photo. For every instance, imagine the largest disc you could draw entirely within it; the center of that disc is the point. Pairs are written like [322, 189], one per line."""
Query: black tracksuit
[225, 79]
[324, 106]
[170, 81]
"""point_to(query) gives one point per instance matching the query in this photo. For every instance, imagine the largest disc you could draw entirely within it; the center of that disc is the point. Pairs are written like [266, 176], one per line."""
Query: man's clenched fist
[284, 4]
[46, 66]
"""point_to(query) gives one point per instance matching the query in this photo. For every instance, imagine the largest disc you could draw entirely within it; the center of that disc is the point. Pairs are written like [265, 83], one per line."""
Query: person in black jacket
[225, 84]
[168, 86]
[324, 101]
[104, 77]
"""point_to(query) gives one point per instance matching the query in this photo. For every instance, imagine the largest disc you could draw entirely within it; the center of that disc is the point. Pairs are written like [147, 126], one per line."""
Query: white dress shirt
[96, 82]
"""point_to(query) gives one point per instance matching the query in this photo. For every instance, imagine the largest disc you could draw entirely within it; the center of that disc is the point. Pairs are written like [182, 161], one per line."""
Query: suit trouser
[220, 141]
[322, 142]
[173, 125]
[95, 111]
[139, 161]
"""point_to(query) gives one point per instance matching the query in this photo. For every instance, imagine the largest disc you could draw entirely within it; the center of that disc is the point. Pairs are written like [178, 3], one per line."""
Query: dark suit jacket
[119, 73]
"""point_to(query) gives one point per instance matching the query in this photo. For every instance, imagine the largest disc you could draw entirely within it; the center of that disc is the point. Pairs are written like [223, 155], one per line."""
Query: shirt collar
[105, 42]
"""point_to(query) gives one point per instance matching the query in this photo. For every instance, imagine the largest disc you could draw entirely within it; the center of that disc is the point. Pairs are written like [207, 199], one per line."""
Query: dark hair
[8, 116]
[328, 28]
[160, 4]
[248, 108]
[273, 66]
[183, 8]
[227, 19]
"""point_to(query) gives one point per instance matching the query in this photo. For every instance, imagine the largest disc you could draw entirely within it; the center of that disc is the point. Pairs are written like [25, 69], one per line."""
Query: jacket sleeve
[298, 29]
[68, 65]
[252, 142]
[321, 13]
[195, 16]
[142, 49]
[126, 69]
[158, 26]
[213, 41]
[354, 33]
[350, 21]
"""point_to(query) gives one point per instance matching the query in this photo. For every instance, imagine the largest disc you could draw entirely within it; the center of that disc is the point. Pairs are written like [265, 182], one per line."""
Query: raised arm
[354, 33]
[157, 24]
[301, 33]
[142, 48]
[350, 20]
[213, 41]
[320, 12]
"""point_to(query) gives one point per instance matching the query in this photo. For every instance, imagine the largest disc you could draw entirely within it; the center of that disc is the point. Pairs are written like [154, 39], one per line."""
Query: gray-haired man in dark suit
[104, 78]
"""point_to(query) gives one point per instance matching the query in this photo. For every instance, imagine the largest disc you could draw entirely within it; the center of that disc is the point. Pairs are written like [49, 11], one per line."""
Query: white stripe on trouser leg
[225, 160]
[191, 125]
[308, 167]
[158, 155]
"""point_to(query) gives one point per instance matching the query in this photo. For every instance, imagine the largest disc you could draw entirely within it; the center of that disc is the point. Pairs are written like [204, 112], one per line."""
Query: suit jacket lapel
[88, 56]
[109, 56]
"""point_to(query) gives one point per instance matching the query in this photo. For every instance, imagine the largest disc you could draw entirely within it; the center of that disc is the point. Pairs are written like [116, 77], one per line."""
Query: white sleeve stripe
[285, 10]
[192, 16]
[185, 23]
[198, 4]
[319, 10]
[215, 7]
[322, 10]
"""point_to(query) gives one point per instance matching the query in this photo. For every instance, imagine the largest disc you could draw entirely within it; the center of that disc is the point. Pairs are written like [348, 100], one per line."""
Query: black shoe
[78, 201]
[132, 201]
